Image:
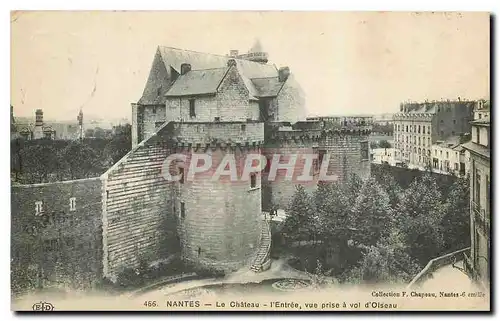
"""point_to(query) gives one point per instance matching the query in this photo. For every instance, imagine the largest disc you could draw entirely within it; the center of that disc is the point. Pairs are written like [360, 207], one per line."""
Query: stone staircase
[262, 260]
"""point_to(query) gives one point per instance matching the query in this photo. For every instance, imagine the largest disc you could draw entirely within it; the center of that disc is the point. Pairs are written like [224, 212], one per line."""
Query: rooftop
[198, 82]
[477, 149]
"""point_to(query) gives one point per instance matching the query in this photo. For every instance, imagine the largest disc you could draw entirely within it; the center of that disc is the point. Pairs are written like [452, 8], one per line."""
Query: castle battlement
[213, 133]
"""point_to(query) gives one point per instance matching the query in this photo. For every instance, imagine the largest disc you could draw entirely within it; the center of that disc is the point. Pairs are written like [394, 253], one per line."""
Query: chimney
[231, 62]
[283, 74]
[185, 68]
[39, 117]
[233, 53]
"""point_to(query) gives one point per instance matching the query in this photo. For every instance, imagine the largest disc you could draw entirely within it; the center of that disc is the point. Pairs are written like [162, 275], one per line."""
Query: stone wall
[349, 153]
[61, 244]
[138, 216]
[220, 219]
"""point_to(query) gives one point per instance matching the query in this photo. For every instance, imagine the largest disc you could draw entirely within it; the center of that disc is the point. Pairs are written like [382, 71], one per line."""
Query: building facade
[384, 156]
[478, 264]
[419, 125]
[450, 157]
[39, 130]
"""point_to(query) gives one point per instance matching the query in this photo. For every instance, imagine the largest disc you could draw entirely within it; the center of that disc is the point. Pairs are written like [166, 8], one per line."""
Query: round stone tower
[220, 217]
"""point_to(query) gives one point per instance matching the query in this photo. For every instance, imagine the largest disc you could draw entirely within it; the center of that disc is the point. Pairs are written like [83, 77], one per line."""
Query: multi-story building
[419, 125]
[384, 156]
[478, 264]
[449, 156]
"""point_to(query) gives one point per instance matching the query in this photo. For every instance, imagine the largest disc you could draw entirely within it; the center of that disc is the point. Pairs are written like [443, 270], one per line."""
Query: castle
[204, 104]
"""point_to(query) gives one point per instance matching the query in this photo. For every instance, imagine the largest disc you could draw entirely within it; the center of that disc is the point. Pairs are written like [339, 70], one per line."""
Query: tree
[352, 187]
[372, 213]
[120, 143]
[39, 162]
[300, 215]
[385, 179]
[456, 220]
[99, 132]
[419, 215]
[81, 161]
[89, 133]
[332, 206]
[384, 144]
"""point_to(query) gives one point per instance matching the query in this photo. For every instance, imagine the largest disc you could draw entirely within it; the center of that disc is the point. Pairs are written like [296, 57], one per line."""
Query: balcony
[481, 220]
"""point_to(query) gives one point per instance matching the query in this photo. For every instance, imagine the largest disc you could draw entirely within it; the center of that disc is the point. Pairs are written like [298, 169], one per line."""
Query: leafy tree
[419, 215]
[39, 162]
[456, 221]
[384, 144]
[300, 215]
[120, 143]
[352, 187]
[372, 213]
[99, 132]
[333, 209]
[385, 178]
[387, 262]
[89, 133]
[81, 160]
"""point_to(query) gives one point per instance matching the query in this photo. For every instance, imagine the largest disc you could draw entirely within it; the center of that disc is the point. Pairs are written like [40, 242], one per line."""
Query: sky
[346, 62]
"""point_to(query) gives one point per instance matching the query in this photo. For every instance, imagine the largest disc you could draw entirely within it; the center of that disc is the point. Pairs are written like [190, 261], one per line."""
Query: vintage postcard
[250, 161]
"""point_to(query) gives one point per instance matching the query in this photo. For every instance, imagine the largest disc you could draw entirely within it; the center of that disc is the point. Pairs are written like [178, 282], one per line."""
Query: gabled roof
[197, 82]
[267, 87]
[168, 60]
[477, 149]
[199, 60]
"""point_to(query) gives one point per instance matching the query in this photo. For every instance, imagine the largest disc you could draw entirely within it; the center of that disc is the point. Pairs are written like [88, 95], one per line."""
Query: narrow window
[154, 110]
[72, 204]
[181, 173]
[253, 180]
[183, 210]
[243, 127]
[192, 111]
[38, 208]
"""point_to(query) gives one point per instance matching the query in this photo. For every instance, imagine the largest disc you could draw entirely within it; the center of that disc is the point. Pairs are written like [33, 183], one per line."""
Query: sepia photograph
[225, 161]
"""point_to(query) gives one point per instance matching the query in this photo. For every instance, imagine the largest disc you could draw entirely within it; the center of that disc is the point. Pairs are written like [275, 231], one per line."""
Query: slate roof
[168, 60]
[197, 82]
[478, 149]
[199, 60]
[267, 87]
